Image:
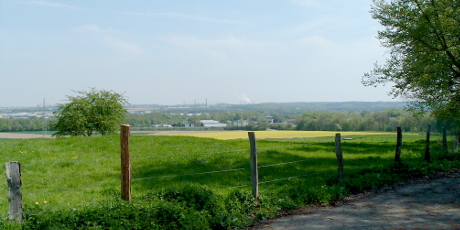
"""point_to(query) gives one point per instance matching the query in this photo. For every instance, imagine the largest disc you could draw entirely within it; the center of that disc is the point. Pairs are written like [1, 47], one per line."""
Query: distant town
[344, 116]
[197, 109]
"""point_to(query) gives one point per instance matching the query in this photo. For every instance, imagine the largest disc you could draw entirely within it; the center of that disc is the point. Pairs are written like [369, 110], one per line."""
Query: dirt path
[420, 204]
[22, 135]
[172, 132]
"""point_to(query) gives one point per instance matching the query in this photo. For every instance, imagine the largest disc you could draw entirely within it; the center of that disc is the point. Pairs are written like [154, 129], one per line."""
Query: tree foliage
[424, 45]
[385, 121]
[22, 124]
[90, 112]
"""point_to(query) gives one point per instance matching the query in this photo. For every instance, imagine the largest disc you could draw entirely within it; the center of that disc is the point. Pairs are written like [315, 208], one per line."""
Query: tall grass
[80, 174]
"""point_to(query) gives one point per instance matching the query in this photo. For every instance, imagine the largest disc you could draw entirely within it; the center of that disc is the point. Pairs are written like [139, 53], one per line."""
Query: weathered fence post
[13, 177]
[338, 153]
[126, 169]
[444, 140]
[457, 141]
[427, 144]
[254, 167]
[398, 145]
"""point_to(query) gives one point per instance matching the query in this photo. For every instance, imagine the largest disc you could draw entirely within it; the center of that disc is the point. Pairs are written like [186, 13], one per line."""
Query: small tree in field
[90, 112]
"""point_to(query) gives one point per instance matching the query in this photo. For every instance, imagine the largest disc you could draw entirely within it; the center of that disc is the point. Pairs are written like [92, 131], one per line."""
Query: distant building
[188, 124]
[240, 123]
[162, 126]
[291, 121]
[139, 111]
[269, 119]
[212, 123]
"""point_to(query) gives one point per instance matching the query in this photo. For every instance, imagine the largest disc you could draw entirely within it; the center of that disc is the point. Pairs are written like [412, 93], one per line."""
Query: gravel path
[425, 203]
[22, 135]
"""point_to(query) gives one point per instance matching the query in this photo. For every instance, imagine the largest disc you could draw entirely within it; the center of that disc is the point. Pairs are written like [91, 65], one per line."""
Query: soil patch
[22, 136]
[177, 132]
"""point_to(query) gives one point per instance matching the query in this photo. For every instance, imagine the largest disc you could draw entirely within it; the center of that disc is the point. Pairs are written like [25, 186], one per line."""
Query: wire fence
[158, 177]
[71, 188]
[165, 176]
[191, 174]
[69, 161]
[29, 168]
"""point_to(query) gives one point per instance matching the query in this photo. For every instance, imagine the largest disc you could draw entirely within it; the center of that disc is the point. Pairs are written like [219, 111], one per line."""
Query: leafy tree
[424, 45]
[89, 112]
[195, 120]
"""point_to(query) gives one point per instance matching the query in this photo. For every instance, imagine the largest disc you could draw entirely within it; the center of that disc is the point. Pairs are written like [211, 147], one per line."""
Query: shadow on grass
[227, 170]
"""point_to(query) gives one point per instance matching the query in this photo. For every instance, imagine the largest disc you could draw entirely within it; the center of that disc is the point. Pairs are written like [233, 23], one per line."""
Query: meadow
[72, 182]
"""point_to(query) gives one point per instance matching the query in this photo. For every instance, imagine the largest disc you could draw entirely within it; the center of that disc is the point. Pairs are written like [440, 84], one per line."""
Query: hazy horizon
[204, 103]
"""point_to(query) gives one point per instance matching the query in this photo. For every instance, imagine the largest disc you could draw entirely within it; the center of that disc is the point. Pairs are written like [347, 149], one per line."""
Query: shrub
[239, 207]
[193, 196]
[119, 215]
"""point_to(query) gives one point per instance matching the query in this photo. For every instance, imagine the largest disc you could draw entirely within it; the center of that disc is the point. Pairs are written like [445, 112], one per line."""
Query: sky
[178, 51]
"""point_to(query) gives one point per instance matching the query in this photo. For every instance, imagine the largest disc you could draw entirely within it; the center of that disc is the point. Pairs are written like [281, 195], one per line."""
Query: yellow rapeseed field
[231, 135]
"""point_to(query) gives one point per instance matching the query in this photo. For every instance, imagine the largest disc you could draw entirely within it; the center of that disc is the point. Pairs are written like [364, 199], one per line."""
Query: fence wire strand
[163, 156]
[240, 186]
[194, 154]
[292, 162]
[169, 176]
[72, 188]
[287, 178]
[71, 161]
[191, 174]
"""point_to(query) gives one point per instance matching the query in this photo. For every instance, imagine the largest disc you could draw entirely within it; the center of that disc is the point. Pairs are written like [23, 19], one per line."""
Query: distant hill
[280, 108]
[270, 107]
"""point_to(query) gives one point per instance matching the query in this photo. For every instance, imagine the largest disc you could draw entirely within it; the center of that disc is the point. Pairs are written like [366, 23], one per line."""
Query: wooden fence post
[427, 144]
[254, 167]
[338, 153]
[398, 145]
[13, 177]
[444, 140]
[457, 141]
[126, 169]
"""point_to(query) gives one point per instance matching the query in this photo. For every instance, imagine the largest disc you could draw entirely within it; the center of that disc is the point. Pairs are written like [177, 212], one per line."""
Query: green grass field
[66, 174]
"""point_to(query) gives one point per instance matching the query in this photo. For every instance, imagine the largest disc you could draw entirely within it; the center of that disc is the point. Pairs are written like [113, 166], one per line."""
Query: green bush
[119, 215]
[239, 207]
[240, 201]
[193, 196]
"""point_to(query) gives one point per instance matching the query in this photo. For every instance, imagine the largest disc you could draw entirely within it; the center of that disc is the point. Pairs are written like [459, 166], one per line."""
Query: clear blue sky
[176, 52]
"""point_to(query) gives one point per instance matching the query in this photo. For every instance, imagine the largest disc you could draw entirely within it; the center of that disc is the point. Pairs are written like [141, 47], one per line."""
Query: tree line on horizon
[381, 121]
